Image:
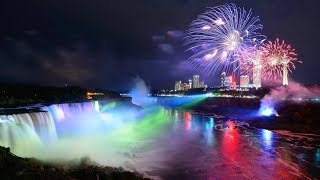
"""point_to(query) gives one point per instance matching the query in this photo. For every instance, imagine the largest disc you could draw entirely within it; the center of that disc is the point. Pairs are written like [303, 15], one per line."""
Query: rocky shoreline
[14, 167]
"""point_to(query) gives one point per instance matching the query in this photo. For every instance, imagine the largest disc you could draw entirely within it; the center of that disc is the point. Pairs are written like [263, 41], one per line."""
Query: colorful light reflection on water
[203, 147]
[178, 144]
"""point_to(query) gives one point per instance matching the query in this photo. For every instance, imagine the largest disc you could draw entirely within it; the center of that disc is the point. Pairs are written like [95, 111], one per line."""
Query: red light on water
[231, 125]
[187, 119]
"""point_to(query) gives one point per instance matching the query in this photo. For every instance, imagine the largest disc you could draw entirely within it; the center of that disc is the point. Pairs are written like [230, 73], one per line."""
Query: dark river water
[194, 146]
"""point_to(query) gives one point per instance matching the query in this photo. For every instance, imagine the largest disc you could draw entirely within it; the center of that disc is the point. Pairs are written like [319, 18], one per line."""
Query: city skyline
[41, 46]
[193, 83]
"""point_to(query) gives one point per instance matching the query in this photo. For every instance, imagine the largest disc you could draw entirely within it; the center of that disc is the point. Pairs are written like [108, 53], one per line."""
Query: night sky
[106, 43]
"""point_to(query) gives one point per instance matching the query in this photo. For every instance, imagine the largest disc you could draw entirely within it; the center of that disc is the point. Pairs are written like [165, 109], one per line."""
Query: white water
[26, 131]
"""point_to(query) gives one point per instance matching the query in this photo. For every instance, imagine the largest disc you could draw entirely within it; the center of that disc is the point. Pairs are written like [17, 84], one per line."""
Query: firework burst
[279, 58]
[219, 37]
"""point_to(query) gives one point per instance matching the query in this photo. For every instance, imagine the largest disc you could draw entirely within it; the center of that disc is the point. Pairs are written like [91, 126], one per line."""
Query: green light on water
[193, 102]
[108, 106]
[141, 129]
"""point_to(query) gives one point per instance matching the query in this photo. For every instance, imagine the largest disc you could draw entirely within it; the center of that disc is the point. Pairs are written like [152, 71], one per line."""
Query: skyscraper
[244, 81]
[190, 83]
[256, 77]
[229, 81]
[185, 87]
[196, 80]
[178, 86]
[223, 79]
[285, 75]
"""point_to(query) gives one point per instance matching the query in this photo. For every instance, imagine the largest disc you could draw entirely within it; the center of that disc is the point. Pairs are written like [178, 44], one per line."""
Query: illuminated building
[185, 87]
[244, 81]
[202, 85]
[196, 80]
[233, 85]
[285, 75]
[256, 77]
[177, 86]
[190, 83]
[228, 81]
[223, 79]
[90, 94]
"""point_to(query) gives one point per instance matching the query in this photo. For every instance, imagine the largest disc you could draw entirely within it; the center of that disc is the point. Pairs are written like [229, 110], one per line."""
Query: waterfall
[24, 131]
[61, 112]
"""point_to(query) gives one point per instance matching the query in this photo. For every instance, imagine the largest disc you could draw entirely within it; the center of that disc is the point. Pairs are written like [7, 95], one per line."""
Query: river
[162, 142]
[195, 146]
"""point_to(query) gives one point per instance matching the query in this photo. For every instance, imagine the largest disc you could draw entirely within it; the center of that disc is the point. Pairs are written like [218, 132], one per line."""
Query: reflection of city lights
[317, 155]
[210, 124]
[187, 119]
[267, 136]
[231, 125]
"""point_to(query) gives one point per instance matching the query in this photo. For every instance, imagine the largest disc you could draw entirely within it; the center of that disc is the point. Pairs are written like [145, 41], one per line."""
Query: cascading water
[26, 131]
[60, 112]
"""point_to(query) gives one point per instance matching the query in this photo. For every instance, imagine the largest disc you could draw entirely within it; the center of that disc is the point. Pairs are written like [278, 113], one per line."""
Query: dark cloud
[69, 66]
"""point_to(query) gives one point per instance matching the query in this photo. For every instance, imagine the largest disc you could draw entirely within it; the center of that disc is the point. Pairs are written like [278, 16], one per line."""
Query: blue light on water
[317, 156]
[210, 124]
[267, 137]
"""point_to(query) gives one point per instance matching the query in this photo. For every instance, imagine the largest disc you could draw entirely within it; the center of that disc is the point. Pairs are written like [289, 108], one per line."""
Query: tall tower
[223, 79]
[244, 81]
[285, 81]
[190, 83]
[196, 80]
[178, 86]
[256, 77]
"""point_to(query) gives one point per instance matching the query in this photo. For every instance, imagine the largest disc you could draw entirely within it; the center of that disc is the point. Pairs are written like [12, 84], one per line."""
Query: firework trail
[219, 37]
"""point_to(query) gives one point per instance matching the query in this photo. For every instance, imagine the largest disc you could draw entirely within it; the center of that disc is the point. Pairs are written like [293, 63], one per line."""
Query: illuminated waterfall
[60, 112]
[24, 131]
